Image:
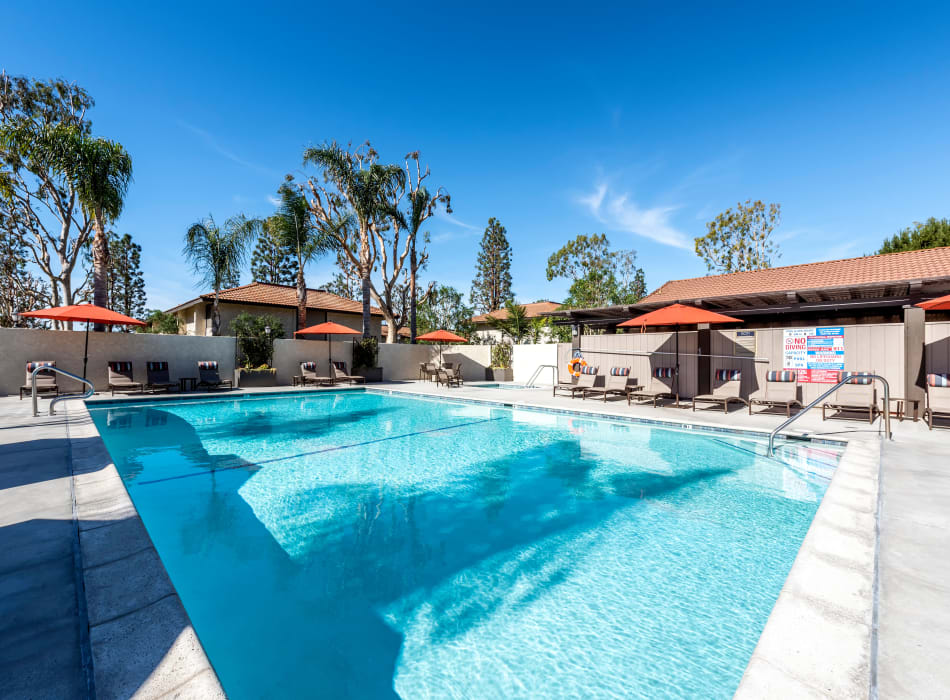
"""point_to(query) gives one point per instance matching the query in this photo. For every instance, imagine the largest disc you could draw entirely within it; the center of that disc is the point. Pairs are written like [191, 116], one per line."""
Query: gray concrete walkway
[41, 650]
[914, 568]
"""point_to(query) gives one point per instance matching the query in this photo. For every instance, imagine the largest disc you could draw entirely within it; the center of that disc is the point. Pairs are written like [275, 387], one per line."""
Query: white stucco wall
[401, 360]
[525, 359]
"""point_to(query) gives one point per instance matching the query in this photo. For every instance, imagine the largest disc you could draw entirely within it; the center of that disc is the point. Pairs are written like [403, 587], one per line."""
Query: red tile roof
[924, 264]
[531, 311]
[284, 295]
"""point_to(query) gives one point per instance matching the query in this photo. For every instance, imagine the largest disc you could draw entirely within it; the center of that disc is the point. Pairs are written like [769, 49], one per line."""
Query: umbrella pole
[85, 352]
[677, 383]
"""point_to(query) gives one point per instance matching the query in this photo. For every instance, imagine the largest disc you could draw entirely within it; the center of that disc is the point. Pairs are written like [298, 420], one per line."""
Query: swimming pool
[360, 544]
[502, 385]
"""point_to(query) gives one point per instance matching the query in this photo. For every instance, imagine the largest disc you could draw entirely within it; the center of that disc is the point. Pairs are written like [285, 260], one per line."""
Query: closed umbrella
[85, 313]
[677, 315]
[328, 328]
[440, 337]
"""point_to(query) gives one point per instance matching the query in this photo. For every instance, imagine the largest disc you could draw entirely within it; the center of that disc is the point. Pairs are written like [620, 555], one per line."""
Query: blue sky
[641, 121]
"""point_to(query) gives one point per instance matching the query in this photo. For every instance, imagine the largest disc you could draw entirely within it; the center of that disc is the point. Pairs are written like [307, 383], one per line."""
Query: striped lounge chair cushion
[339, 365]
[619, 371]
[309, 366]
[120, 366]
[728, 375]
[938, 379]
[663, 372]
[156, 366]
[783, 375]
[589, 369]
[208, 364]
[30, 366]
[856, 377]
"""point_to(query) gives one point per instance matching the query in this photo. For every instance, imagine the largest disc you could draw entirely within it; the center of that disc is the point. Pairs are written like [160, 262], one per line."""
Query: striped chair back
[121, 367]
[208, 364]
[782, 375]
[938, 379]
[728, 375]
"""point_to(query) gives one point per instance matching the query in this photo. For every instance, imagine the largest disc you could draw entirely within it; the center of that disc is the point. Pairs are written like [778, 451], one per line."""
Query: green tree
[255, 336]
[272, 261]
[355, 187]
[125, 281]
[491, 287]
[39, 121]
[741, 240]
[599, 276]
[515, 325]
[933, 233]
[217, 254]
[159, 322]
[445, 308]
[19, 290]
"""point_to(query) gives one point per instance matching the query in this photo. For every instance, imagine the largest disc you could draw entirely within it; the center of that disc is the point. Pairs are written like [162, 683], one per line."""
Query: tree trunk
[215, 315]
[412, 293]
[301, 297]
[100, 266]
[367, 329]
[365, 272]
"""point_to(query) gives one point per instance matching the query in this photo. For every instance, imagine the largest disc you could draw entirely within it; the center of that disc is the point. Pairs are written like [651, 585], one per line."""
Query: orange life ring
[574, 366]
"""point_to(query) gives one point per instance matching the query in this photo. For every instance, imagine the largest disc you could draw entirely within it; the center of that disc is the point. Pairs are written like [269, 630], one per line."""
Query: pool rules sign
[817, 354]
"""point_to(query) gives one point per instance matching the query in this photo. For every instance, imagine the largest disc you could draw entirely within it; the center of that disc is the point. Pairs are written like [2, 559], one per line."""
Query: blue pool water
[500, 385]
[365, 545]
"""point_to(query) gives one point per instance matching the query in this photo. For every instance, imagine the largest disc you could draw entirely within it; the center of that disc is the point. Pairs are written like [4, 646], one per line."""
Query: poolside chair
[431, 371]
[45, 380]
[781, 390]
[661, 387]
[338, 370]
[157, 376]
[208, 376]
[858, 395]
[122, 379]
[448, 378]
[727, 384]
[308, 374]
[616, 383]
[585, 381]
[938, 397]
[457, 373]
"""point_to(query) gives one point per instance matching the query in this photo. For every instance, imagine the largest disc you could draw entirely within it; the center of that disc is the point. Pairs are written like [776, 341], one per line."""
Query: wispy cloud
[442, 216]
[273, 200]
[213, 144]
[619, 212]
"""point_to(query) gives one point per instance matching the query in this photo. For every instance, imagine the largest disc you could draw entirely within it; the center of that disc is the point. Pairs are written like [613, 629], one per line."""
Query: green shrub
[501, 356]
[365, 353]
[255, 346]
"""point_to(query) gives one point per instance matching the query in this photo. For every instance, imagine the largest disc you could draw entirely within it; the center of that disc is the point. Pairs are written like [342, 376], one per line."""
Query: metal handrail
[887, 409]
[85, 395]
[537, 372]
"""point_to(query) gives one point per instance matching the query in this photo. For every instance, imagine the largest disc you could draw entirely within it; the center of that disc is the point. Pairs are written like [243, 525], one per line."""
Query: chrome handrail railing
[887, 409]
[85, 395]
[537, 372]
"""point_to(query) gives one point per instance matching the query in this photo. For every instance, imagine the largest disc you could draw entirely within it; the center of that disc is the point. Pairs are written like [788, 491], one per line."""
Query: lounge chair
[615, 384]
[585, 381]
[45, 380]
[308, 374]
[338, 370]
[208, 376]
[660, 387]
[563, 386]
[938, 397]
[122, 379]
[448, 378]
[858, 395]
[158, 379]
[781, 389]
[726, 389]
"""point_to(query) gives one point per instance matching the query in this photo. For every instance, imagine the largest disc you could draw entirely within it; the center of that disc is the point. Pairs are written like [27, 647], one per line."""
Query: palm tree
[217, 254]
[102, 178]
[366, 187]
[515, 323]
[299, 233]
[419, 210]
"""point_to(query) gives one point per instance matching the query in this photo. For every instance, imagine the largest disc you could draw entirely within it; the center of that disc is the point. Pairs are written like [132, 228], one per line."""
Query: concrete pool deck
[85, 602]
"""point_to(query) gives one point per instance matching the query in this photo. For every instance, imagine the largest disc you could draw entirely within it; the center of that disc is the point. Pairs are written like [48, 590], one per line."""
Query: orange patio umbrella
[441, 336]
[85, 313]
[677, 315]
[938, 304]
[327, 328]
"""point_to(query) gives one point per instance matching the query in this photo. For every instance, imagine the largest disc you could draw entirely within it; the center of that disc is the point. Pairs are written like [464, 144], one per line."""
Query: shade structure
[85, 313]
[677, 315]
[938, 304]
[440, 337]
[328, 328]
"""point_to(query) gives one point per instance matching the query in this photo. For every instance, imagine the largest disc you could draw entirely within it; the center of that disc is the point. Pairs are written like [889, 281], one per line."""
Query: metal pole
[85, 352]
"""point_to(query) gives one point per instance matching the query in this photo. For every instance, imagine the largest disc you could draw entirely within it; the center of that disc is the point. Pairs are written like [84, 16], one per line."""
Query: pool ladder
[887, 409]
[85, 395]
[537, 373]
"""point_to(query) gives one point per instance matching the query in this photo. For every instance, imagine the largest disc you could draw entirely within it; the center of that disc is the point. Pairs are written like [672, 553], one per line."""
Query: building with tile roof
[483, 322]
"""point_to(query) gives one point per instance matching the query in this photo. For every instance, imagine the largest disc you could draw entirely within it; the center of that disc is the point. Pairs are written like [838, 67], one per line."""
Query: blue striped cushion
[208, 364]
[727, 375]
[589, 369]
[619, 371]
[156, 366]
[120, 366]
[855, 377]
[30, 366]
[938, 379]
[663, 372]
[784, 375]
[339, 365]
[309, 366]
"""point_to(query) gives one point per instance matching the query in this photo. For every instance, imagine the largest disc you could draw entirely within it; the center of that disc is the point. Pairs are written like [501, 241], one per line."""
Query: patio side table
[187, 383]
[901, 409]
